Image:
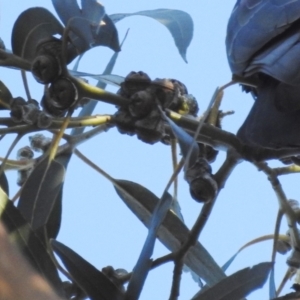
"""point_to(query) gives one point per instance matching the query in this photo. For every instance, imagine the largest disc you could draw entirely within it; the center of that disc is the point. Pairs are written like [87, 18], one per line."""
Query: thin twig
[175, 290]
[288, 275]
[287, 170]
[276, 234]
[12, 146]
[174, 161]
[284, 205]
[156, 263]
[25, 83]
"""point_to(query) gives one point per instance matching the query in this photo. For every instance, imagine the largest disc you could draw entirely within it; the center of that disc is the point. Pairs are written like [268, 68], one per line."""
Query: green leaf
[172, 233]
[40, 192]
[238, 285]
[28, 241]
[179, 23]
[143, 264]
[96, 285]
[5, 96]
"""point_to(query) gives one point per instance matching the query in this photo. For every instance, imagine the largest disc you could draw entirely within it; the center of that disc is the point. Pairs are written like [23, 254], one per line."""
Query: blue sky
[96, 224]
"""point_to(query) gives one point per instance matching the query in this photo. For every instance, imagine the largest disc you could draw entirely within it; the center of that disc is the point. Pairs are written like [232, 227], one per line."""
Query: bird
[263, 46]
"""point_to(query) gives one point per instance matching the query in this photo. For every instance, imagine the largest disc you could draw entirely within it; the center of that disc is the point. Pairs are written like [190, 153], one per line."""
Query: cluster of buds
[28, 112]
[38, 143]
[24, 154]
[142, 116]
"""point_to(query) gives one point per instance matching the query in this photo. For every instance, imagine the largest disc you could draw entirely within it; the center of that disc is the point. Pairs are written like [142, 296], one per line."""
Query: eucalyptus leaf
[28, 241]
[272, 285]
[143, 264]
[2, 45]
[188, 146]
[96, 285]
[229, 262]
[172, 233]
[40, 192]
[238, 285]
[5, 96]
[33, 26]
[54, 220]
[111, 79]
[179, 23]
[90, 25]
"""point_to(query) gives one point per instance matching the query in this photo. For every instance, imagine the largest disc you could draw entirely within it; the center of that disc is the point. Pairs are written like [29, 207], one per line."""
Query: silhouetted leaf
[178, 22]
[54, 220]
[32, 26]
[5, 95]
[2, 45]
[238, 285]
[108, 35]
[90, 25]
[172, 233]
[188, 146]
[229, 262]
[290, 296]
[29, 243]
[4, 183]
[40, 192]
[175, 207]
[143, 264]
[272, 285]
[96, 285]
[114, 80]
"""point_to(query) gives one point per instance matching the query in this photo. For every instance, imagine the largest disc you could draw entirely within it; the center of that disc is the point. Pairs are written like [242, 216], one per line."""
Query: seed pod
[47, 65]
[150, 129]
[141, 104]
[43, 121]
[39, 142]
[188, 105]
[282, 247]
[73, 291]
[134, 82]
[295, 207]
[203, 187]
[164, 90]
[115, 276]
[30, 112]
[293, 260]
[124, 121]
[24, 154]
[61, 96]
[16, 111]
[45, 69]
